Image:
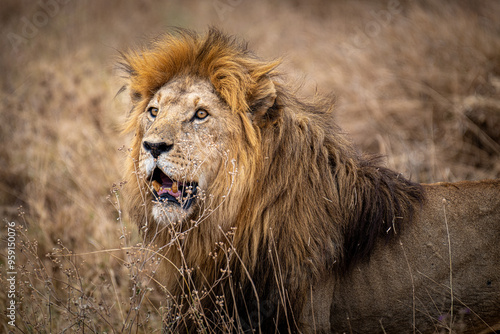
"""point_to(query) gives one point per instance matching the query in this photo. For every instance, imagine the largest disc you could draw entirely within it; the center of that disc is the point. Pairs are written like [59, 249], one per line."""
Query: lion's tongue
[169, 186]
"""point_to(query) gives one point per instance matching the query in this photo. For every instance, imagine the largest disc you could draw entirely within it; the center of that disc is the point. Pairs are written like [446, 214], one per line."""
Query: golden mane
[308, 203]
[236, 74]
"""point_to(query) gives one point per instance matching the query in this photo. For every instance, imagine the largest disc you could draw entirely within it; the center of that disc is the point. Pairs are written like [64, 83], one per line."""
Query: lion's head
[196, 102]
[185, 145]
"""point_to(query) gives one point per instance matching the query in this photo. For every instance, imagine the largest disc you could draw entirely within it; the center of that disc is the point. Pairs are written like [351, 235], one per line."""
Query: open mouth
[167, 190]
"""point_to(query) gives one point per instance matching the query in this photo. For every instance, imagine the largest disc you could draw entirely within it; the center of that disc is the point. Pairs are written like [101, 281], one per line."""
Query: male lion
[270, 220]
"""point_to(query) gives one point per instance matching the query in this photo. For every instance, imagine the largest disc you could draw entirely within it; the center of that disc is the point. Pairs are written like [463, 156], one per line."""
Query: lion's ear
[261, 101]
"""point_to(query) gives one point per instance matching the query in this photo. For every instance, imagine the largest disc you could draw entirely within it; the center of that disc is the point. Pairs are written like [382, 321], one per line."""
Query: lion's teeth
[174, 187]
[156, 185]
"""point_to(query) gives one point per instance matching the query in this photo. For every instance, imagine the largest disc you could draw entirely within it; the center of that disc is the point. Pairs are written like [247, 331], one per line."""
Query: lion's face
[183, 145]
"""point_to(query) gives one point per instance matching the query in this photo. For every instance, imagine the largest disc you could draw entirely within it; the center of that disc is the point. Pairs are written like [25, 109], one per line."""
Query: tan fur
[305, 228]
[412, 284]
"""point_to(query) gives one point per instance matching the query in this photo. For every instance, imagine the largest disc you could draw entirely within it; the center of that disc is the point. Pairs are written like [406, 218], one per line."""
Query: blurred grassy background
[417, 81]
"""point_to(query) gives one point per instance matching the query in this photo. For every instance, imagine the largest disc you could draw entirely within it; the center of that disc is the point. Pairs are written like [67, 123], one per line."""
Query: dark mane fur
[371, 202]
[386, 201]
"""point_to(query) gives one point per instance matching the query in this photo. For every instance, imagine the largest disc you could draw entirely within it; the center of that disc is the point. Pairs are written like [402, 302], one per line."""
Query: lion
[270, 220]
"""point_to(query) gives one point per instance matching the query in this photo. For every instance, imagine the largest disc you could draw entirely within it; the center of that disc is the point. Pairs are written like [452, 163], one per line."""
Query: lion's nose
[156, 148]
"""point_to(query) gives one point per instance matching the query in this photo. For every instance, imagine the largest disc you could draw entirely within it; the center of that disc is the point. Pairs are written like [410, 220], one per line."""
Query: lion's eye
[201, 114]
[153, 111]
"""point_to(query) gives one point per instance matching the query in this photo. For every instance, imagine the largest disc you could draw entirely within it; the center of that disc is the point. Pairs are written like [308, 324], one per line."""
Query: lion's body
[443, 270]
[287, 210]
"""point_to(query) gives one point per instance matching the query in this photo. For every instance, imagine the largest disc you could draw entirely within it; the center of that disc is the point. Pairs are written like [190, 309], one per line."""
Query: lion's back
[443, 269]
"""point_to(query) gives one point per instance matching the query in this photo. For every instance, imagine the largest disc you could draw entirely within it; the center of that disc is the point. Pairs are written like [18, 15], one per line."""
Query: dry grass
[419, 82]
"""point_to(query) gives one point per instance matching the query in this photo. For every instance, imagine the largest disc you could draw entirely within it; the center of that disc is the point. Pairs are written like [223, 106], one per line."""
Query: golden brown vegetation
[419, 82]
